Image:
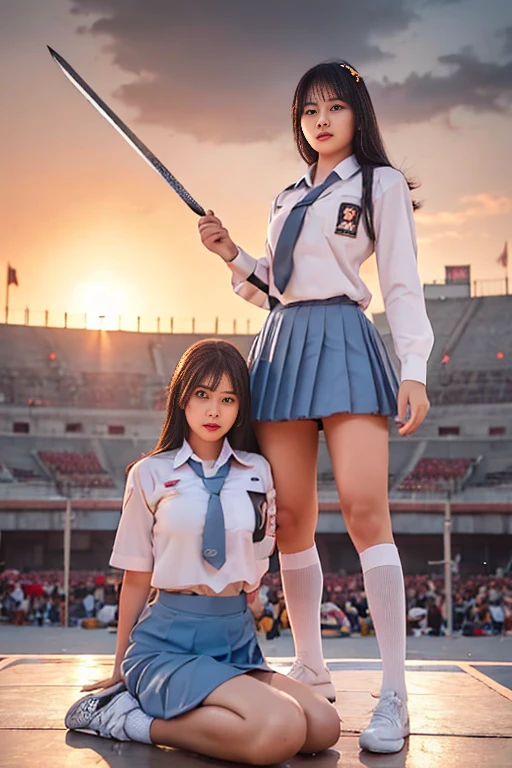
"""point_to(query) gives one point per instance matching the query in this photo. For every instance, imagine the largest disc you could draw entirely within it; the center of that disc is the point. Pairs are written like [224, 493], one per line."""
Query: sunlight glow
[102, 305]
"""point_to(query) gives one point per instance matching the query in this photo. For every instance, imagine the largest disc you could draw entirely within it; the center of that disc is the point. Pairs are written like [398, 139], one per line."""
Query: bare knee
[324, 727]
[295, 527]
[281, 734]
[368, 521]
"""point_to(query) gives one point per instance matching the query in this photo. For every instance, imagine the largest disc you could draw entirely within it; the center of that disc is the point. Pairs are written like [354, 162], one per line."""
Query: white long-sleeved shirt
[332, 246]
[164, 511]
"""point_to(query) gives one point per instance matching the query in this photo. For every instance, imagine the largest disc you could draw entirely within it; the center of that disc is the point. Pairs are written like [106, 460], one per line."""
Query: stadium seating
[79, 469]
[436, 475]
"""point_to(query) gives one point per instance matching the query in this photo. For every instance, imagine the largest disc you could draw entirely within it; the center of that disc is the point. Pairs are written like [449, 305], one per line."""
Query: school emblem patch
[349, 215]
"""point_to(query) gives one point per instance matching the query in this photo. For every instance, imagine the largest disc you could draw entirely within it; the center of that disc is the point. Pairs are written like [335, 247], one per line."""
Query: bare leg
[292, 450]
[323, 722]
[243, 720]
[358, 446]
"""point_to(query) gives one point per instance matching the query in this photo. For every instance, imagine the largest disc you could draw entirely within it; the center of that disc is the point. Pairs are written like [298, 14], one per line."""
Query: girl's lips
[324, 136]
[211, 427]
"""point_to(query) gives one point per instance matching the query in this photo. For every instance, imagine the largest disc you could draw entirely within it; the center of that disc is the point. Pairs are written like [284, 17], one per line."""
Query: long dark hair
[205, 362]
[339, 78]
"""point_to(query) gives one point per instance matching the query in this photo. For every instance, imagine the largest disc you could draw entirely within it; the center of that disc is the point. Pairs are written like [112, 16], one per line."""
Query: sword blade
[125, 132]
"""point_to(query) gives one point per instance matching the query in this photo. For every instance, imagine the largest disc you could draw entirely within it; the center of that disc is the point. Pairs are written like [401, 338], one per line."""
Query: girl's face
[328, 124]
[210, 414]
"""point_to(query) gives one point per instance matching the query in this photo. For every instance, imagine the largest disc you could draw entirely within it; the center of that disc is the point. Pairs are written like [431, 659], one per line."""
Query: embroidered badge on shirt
[348, 219]
[171, 483]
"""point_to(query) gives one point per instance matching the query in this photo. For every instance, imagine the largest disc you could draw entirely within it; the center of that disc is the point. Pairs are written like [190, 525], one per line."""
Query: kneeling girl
[198, 526]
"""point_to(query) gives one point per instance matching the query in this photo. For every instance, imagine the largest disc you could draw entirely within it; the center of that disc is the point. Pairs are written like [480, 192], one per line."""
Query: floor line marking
[488, 681]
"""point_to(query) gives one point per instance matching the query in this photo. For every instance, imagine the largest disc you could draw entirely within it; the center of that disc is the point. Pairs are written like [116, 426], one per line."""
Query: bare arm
[134, 594]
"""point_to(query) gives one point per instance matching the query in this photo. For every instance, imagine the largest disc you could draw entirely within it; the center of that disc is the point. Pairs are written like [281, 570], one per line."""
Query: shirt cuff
[243, 265]
[414, 368]
[127, 563]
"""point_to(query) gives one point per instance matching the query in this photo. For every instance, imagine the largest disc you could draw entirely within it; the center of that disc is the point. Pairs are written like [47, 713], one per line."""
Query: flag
[503, 257]
[12, 277]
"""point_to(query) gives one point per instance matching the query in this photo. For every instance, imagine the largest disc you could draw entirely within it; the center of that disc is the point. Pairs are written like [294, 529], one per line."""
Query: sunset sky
[208, 87]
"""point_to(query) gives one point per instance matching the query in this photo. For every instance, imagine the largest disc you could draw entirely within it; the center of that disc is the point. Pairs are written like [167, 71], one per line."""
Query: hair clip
[352, 71]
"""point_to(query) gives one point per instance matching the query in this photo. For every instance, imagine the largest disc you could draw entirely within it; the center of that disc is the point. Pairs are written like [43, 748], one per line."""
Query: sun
[102, 305]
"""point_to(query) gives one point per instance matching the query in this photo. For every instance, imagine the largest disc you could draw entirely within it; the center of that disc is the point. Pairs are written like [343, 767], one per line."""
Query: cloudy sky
[208, 86]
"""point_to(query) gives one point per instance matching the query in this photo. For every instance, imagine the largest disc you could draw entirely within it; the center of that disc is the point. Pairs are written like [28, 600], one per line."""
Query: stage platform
[461, 717]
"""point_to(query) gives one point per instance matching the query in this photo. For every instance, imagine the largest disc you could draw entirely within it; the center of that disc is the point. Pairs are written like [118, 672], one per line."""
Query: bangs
[208, 372]
[323, 84]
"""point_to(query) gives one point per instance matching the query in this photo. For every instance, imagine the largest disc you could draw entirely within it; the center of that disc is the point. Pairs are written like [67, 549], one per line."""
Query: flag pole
[7, 295]
[505, 251]
[506, 280]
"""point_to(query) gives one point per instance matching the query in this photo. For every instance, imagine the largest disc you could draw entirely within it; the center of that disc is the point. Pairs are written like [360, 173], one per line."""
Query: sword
[126, 133]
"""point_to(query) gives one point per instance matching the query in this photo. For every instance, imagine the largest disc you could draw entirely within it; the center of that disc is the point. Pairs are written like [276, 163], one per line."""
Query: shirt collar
[186, 452]
[345, 170]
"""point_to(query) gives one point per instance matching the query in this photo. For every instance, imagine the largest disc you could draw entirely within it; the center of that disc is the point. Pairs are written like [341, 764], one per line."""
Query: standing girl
[319, 360]
[198, 525]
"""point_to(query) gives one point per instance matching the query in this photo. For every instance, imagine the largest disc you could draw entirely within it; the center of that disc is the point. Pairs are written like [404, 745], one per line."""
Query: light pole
[64, 489]
[67, 558]
[447, 562]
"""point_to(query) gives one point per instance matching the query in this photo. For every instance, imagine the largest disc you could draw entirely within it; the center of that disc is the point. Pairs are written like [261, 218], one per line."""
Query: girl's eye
[229, 399]
[337, 106]
[201, 393]
[310, 112]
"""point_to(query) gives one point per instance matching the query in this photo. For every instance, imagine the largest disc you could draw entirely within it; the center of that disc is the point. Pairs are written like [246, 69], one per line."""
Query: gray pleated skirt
[313, 359]
[185, 646]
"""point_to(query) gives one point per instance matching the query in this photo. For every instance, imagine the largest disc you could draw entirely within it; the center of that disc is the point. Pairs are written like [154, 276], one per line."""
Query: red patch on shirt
[171, 483]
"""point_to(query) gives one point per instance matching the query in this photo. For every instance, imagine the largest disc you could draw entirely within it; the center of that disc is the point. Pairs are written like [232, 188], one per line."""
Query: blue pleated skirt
[313, 359]
[185, 646]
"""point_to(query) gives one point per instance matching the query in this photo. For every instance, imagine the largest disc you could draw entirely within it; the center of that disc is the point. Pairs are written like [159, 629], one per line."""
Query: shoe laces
[298, 670]
[86, 711]
[390, 709]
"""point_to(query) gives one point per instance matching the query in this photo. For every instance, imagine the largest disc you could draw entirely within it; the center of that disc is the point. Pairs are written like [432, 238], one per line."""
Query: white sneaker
[320, 681]
[389, 726]
[102, 714]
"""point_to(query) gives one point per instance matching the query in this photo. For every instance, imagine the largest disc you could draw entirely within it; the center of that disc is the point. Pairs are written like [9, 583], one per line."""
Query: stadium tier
[77, 406]
[471, 362]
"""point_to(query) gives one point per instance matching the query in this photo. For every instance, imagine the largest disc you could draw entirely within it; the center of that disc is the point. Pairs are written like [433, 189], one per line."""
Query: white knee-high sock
[303, 580]
[385, 591]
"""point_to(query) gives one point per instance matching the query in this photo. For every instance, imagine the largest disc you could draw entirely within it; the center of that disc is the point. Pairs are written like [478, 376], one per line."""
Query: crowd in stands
[37, 598]
[436, 475]
[82, 470]
[482, 605]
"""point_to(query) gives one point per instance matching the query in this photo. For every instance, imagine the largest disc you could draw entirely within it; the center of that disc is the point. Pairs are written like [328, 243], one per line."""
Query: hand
[102, 684]
[216, 238]
[413, 394]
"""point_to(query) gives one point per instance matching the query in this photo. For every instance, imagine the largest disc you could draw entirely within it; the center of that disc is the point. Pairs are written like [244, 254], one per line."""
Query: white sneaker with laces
[320, 681]
[389, 726]
[102, 714]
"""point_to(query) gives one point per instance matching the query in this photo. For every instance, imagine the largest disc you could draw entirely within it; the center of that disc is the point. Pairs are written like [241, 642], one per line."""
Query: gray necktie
[283, 255]
[214, 532]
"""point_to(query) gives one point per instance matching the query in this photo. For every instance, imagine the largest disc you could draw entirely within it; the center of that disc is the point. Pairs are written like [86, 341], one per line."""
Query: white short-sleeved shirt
[332, 246]
[164, 510]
